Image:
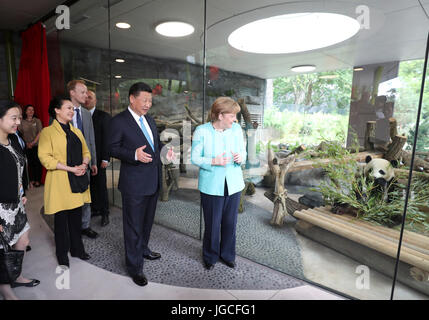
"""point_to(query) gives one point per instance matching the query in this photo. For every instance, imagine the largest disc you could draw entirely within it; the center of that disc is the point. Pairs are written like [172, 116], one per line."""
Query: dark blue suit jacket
[136, 178]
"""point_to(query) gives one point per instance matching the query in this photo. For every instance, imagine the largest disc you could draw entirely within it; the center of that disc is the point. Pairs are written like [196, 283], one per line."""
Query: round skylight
[174, 29]
[293, 33]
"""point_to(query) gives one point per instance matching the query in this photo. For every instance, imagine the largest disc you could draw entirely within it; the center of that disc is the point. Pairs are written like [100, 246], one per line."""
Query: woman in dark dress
[13, 219]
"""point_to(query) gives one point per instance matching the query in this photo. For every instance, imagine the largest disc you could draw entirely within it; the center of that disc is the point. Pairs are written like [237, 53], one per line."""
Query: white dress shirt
[74, 116]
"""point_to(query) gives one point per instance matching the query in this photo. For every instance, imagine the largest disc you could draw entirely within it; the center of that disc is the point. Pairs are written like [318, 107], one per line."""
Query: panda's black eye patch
[382, 172]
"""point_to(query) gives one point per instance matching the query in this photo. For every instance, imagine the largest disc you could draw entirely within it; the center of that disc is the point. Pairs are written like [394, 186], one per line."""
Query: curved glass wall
[324, 223]
[327, 222]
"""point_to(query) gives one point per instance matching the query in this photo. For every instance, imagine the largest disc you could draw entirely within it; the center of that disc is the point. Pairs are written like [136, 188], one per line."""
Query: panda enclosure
[320, 222]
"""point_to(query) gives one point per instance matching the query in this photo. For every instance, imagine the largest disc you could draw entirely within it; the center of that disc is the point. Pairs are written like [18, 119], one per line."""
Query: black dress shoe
[139, 279]
[89, 233]
[208, 266]
[105, 221]
[230, 264]
[152, 256]
[83, 256]
[32, 283]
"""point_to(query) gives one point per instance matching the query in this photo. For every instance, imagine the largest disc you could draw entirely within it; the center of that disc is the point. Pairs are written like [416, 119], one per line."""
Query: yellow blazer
[53, 149]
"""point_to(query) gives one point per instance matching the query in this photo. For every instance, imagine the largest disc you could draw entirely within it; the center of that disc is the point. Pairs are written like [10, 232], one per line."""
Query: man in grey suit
[82, 119]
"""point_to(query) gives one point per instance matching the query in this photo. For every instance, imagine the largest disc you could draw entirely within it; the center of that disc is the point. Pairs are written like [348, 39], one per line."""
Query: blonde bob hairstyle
[223, 105]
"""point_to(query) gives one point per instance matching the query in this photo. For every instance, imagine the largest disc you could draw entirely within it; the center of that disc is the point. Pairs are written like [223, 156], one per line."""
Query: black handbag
[10, 262]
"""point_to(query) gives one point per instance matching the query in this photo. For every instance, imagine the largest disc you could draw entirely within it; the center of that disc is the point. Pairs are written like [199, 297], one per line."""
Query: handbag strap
[4, 243]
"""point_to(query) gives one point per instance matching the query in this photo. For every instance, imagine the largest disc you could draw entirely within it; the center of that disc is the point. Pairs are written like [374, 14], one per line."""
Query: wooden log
[310, 164]
[376, 243]
[418, 244]
[419, 164]
[369, 135]
[245, 112]
[403, 174]
[393, 124]
[420, 252]
[395, 148]
[419, 275]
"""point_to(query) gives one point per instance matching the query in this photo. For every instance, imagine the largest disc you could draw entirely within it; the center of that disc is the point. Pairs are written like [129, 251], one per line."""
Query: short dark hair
[56, 103]
[5, 105]
[138, 87]
[24, 113]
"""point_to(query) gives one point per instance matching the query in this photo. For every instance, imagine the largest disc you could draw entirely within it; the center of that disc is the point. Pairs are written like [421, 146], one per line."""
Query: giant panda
[382, 173]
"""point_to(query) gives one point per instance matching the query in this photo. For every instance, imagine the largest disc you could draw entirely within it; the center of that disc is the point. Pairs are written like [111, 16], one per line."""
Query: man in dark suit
[134, 140]
[83, 121]
[99, 196]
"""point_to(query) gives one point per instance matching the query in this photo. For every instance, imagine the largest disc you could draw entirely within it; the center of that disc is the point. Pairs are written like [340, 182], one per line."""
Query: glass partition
[327, 130]
[413, 267]
[320, 204]
[172, 66]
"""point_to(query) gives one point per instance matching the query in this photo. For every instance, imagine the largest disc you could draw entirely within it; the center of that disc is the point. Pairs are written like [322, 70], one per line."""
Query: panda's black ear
[394, 163]
[368, 159]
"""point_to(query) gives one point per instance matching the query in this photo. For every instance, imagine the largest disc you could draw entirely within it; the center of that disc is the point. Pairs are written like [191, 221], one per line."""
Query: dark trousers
[68, 237]
[220, 221]
[34, 165]
[138, 213]
[99, 196]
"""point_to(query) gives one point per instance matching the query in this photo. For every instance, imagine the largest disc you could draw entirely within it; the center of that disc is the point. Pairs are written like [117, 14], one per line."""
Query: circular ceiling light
[174, 29]
[293, 33]
[120, 60]
[303, 68]
[123, 25]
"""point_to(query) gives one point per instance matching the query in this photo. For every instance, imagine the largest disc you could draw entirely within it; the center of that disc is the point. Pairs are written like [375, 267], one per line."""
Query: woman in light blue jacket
[218, 149]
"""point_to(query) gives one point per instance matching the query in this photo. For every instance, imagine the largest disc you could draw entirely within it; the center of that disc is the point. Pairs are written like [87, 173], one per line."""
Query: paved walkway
[89, 282]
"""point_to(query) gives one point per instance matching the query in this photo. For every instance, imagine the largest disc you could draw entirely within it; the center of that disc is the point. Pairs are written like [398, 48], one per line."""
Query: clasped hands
[221, 160]
[80, 170]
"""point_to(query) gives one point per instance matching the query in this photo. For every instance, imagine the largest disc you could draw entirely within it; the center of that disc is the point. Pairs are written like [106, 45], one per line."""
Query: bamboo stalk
[379, 244]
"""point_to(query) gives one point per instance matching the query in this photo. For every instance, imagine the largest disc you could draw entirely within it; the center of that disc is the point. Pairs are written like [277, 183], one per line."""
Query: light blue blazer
[208, 143]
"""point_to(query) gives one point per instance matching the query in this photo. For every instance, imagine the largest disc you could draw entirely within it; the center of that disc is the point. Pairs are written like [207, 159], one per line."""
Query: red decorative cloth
[33, 85]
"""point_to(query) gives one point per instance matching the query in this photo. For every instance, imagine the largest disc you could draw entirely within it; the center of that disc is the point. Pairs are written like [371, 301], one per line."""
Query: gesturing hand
[220, 160]
[237, 157]
[143, 156]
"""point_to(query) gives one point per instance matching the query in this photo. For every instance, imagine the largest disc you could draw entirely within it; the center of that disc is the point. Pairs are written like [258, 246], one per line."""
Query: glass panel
[333, 221]
[172, 67]
[413, 267]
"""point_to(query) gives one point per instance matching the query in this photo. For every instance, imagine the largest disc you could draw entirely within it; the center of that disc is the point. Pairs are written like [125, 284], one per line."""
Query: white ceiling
[398, 31]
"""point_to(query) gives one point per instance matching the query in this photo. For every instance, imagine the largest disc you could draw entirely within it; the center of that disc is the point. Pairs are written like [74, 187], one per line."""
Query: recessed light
[120, 60]
[174, 29]
[303, 68]
[118, 77]
[358, 69]
[293, 33]
[329, 76]
[123, 25]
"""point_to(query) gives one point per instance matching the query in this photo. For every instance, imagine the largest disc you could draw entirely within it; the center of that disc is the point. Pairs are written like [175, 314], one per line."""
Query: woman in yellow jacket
[65, 155]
